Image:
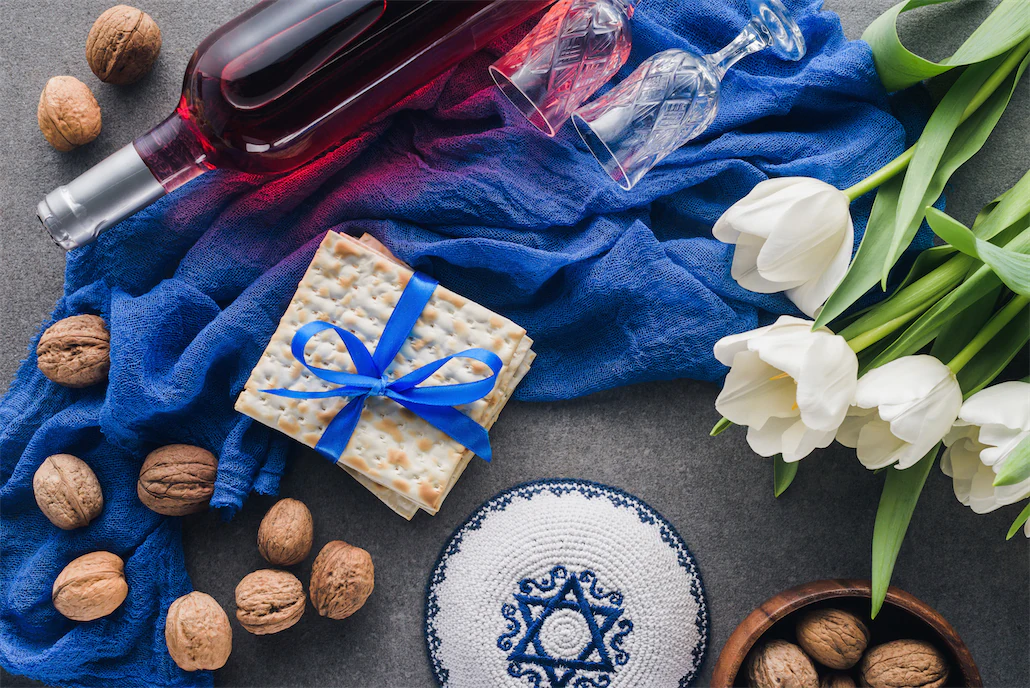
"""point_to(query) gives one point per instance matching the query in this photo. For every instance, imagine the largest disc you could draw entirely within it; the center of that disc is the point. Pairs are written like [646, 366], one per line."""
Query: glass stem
[751, 39]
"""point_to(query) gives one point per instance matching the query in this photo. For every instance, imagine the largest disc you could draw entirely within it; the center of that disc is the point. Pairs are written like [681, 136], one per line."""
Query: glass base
[784, 34]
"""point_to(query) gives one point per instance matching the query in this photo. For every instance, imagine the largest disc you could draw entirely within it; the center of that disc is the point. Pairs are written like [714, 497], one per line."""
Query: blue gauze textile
[615, 287]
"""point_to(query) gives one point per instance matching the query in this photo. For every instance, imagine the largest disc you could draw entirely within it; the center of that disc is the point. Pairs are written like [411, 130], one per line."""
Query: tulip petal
[827, 382]
[767, 440]
[924, 422]
[805, 239]
[744, 269]
[900, 381]
[998, 443]
[1006, 404]
[731, 345]
[746, 215]
[786, 345]
[878, 447]
[751, 395]
[799, 441]
[851, 426]
[811, 295]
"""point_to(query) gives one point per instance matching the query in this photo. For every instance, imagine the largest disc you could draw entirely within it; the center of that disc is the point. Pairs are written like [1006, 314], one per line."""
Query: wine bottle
[275, 87]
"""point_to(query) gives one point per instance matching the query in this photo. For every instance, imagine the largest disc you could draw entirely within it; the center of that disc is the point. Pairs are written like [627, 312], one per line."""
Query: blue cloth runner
[615, 288]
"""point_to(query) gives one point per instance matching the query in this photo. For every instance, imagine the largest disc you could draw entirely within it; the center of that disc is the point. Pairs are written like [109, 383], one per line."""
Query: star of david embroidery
[580, 594]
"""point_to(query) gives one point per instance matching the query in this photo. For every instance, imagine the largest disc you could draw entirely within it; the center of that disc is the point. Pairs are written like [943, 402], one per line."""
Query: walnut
[832, 637]
[75, 352]
[779, 664]
[178, 479]
[68, 114]
[123, 45]
[67, 491]
[911, 663]
[836, 679]
[269, 601]
[342, 578]
[91, 586]
[285, 534]
[197, 633]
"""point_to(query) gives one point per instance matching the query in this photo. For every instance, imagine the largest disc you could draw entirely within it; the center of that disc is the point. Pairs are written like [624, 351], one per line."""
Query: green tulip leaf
[991, 360]
[930, 324]
[1008, 210]
[961, 329]
[1024, 515]
[783, 474]
[1011, 267]
[900, 68]
[867, 266]
[720, 427]
[898, 501]
[1016, 467]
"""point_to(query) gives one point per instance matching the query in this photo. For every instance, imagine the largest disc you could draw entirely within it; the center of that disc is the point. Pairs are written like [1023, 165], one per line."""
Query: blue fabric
[615, 288]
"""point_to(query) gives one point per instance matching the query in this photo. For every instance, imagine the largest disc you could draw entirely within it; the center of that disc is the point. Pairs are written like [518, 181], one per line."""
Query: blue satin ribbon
[434, 404]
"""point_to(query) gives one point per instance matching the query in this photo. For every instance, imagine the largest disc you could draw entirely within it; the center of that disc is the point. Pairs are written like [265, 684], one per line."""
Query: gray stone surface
[648, 439]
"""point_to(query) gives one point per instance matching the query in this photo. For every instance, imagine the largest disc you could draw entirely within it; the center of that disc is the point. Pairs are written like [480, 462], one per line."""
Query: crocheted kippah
[565, 583]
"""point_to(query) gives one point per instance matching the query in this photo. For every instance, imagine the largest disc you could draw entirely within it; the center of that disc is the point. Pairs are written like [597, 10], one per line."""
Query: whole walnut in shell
[75, 352]
[67, 491]
[904, 663]
[286, 532]
[197, 632]
[836, 679]
[779, 664]
[177, 479]
[123, 45]
[833, 637]
[91, 586]
[269, 601]
[68, 114]
[342, 578]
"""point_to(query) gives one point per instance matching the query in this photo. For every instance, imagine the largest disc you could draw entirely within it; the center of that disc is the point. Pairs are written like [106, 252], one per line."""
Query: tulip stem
[985, 91]
[906, 304]
[998, 321]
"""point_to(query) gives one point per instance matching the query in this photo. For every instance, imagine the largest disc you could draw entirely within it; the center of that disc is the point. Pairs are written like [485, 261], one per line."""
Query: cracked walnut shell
[90, 587]
[269, 601]
[837, 680]
[342, 578]
[67, 491]
[904, 663]
[75, 352]
[122, 45]
[197, 633]
[779, 664]
[68, 114]
[177, 479]
[286, 533]
[833, 637]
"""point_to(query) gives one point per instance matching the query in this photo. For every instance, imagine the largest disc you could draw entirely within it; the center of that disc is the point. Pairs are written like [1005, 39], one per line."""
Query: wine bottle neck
[163, 159]
[174, 152]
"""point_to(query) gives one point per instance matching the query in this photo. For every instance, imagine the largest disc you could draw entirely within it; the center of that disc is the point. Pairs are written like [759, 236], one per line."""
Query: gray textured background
[648, 439]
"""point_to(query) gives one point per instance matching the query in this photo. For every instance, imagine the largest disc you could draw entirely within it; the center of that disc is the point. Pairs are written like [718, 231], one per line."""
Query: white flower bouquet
[900, 379]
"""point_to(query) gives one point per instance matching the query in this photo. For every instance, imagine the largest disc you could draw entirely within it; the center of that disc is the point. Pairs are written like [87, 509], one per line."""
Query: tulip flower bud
[792, 234]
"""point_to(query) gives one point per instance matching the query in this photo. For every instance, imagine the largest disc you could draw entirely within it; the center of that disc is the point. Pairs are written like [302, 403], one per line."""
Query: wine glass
[674, 95]
[575, 49]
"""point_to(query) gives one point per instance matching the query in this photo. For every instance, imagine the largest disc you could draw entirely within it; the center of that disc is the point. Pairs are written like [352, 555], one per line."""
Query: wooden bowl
[902, 616]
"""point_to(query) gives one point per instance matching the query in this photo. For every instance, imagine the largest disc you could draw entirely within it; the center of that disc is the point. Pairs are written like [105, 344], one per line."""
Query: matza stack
[403, 460]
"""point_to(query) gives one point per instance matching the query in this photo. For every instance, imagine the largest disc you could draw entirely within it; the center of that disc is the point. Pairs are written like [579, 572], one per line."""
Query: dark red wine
[277, 86]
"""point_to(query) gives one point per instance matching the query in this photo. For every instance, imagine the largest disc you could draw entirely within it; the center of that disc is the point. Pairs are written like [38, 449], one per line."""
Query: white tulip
[789, 385]
[792, 234]
[902, 410]
[989, 426]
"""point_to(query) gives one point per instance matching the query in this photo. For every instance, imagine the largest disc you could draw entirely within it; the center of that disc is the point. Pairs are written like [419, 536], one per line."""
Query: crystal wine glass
[575, 49]
[674, 95]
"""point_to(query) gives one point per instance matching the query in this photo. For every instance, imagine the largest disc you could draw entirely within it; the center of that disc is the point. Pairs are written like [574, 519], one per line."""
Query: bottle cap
[75, 214]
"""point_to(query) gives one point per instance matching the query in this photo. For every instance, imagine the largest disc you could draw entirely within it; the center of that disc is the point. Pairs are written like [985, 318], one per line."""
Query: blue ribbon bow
[434, 404]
